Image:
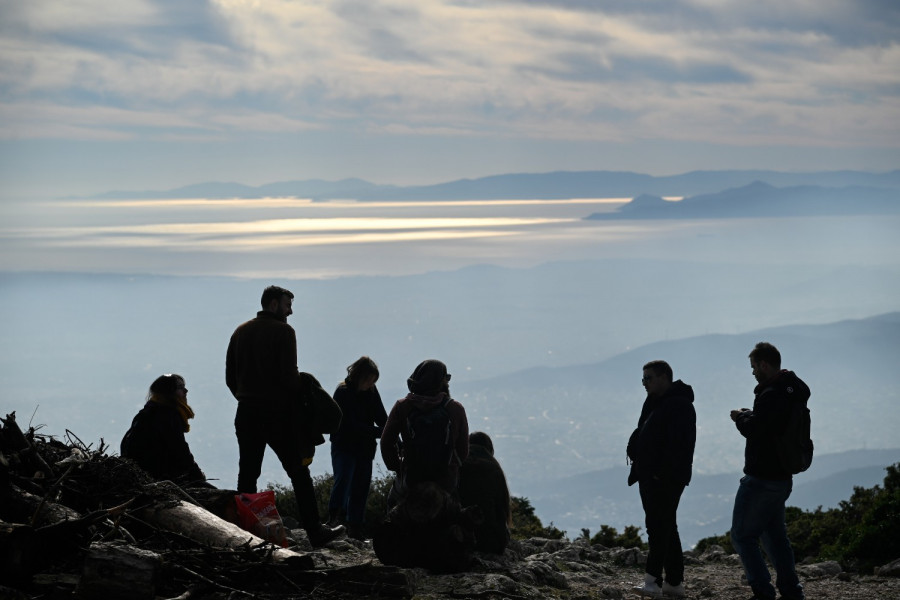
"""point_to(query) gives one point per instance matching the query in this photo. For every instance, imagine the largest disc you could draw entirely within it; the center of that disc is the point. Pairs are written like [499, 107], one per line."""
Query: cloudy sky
[153, 94]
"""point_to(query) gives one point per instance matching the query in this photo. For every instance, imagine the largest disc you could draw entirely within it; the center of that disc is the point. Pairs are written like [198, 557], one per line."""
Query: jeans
[759, 516]
[259, 426]
[352, 478]
[660, 500]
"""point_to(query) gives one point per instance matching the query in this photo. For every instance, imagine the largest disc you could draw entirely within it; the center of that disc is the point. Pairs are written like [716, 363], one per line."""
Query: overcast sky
[152, 94]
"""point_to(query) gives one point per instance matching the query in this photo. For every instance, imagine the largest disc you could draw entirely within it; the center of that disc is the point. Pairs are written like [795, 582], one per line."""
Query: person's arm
[390, 453]
[462, 436]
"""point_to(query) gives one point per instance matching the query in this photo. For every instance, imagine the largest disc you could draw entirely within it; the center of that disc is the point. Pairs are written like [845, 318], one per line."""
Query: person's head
[657, 377]
[765, 361]
[480, 438]
[277, 301]
[168, 388]
[362, 374]
[429, 379]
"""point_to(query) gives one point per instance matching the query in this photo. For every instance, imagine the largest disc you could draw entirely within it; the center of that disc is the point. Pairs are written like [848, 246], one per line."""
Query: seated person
[483, 484]
[156, 441]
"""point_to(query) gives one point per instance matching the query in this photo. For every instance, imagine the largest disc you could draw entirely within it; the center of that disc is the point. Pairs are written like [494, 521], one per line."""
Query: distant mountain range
[549, 424]
[554, 185]
[760, 199]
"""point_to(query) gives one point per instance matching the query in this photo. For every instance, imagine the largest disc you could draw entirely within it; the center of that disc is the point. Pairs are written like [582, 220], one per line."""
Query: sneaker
[650, 589]
[674, 591]
[325, 534]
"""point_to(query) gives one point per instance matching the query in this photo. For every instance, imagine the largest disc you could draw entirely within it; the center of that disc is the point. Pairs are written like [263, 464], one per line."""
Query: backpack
[428, 447]
[794, 446]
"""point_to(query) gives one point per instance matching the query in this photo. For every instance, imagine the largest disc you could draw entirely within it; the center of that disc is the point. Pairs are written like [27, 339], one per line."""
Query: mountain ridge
[548, 186]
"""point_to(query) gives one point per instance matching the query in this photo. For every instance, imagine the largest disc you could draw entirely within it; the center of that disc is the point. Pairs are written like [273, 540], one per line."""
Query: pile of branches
[77, 522]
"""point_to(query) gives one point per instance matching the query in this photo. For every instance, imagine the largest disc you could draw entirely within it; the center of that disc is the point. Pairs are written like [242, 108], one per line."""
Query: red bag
[257, 514]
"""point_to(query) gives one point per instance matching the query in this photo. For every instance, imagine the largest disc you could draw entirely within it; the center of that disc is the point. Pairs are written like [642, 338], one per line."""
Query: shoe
[673, 591]
[650, 589]
[325, 534]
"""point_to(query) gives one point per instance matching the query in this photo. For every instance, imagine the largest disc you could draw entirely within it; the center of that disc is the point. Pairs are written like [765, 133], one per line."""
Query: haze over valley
[544, 318]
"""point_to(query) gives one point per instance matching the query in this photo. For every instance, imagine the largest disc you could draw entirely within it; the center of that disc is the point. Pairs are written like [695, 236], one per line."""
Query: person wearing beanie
[428, 399]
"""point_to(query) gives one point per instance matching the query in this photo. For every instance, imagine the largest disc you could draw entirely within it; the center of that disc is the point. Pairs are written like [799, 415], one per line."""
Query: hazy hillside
[762, 200]
[558, 185]
[564, 421]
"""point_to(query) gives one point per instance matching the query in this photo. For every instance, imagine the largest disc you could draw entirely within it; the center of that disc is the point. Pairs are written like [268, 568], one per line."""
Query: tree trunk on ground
[200, 525]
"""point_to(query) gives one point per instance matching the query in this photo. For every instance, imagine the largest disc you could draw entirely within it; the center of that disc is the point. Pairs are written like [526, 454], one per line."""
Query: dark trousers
[660, 500]
[258, 426]
[352, 478]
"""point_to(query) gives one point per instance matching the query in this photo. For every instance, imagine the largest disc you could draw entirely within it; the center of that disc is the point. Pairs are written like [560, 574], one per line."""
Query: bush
[526, 524]
[610, 538]
[862, 533]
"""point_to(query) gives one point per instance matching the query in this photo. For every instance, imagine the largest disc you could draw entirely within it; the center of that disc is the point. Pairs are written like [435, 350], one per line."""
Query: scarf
[184, 410]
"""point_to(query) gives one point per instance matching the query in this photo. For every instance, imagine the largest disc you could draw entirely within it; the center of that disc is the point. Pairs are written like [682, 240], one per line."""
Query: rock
[823, 569]
[892, 569]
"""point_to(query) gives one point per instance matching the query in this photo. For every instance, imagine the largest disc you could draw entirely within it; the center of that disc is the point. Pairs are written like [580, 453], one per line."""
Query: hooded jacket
[395, 429]
[662, 446]
[763, 425]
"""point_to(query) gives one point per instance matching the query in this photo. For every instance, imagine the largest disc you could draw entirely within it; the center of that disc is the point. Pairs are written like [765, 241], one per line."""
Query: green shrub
[861, 534]
[526, 524]
[610, 538]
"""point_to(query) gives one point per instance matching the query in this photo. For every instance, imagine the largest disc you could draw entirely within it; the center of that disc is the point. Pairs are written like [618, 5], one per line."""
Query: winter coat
[662, 446]
[483, 484]
[156, 443]
[261, 361]
[395, 429]
[363, 420]
[767, 421]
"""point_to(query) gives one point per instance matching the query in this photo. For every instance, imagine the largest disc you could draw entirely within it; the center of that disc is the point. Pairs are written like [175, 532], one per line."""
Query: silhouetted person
[766, 485]
[482, 483]
[661, 450]
[261, 372]
[156, 441]
[353, 445]
[435, 453]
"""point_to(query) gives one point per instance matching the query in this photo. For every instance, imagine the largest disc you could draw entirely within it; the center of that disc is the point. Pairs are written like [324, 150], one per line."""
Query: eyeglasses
[646, 379]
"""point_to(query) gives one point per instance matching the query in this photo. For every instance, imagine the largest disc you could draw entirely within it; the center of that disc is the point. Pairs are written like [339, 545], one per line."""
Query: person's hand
[735, 413]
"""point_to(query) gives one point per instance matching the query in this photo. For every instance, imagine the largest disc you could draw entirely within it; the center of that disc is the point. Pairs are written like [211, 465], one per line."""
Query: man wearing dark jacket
[661, 450]
[766, 485]
[261, 372]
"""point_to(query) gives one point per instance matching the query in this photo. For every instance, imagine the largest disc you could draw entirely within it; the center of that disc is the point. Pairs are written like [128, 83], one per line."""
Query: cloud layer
[805, 74]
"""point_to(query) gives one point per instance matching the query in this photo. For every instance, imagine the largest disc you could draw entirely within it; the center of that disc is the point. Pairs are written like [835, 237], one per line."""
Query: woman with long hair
[353, 444]
[156, 441]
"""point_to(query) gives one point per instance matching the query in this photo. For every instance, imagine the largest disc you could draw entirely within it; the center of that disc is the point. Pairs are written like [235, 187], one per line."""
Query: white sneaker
[675, 591]
[650, 588]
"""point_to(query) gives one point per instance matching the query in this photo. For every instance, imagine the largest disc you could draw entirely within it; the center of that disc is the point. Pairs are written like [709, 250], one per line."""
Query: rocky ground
[78, 523]
[539, 568]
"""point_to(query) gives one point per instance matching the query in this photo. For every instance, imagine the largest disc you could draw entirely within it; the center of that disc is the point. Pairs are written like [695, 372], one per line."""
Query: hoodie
[662, 446]
[395, 429]
[763, 425]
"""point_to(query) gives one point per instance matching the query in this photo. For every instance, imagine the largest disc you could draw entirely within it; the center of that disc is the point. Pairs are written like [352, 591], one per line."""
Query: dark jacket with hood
[427, 390]
[661, 448]
[763, 425]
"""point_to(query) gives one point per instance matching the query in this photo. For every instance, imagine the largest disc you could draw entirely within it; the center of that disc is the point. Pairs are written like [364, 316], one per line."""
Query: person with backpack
[426, 436]
[769, 466]
[661, 451]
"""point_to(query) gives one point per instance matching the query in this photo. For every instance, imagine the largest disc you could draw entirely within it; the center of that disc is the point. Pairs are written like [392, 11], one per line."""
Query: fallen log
[116, 571]
[200, 525]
